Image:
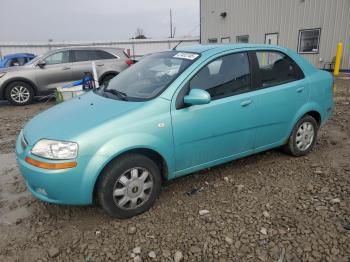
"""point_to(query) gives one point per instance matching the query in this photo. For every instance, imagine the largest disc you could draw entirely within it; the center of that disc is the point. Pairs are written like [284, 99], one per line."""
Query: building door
[271, 39]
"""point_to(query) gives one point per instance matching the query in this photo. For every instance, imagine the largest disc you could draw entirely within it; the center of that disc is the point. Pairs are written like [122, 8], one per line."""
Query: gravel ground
[267, 207]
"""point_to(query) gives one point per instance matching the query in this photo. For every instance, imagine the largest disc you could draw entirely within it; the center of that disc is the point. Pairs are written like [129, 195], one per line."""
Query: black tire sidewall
[110, 175]
[15, 84]
[292, 145]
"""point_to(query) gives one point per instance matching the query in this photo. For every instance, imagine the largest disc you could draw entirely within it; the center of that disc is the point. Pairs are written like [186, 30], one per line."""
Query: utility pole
[171, 24]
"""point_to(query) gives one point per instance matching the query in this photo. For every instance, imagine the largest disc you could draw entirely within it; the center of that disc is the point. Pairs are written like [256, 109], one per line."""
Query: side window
[104, 55]
[226, 76]
[21, 61]
[57, 58]
[84, 55]
[276, 68]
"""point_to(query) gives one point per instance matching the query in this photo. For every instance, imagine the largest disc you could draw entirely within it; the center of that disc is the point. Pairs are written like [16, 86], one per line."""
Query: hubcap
[133, 188]
[20, 94]
[305, 136]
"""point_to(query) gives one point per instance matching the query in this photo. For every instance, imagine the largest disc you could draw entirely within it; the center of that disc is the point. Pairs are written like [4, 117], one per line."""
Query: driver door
[57, 71]
[213, 133]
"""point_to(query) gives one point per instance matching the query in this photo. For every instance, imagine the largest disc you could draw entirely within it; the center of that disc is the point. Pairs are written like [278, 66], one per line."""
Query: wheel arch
[316, 115]
[154, 155]
[106, 74]
[18, 79]
[313, 110]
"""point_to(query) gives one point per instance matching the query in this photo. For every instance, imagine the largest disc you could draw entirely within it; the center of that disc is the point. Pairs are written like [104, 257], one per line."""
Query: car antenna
[174, 48]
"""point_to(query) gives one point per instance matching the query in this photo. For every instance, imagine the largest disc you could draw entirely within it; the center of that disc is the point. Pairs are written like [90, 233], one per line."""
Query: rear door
[82, 62]
[282, 91]
[56, 72]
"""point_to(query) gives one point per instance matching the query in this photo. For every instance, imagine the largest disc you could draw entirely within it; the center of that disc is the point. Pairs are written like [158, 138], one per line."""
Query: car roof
[88, 48]
[18, 55]
[225, 47]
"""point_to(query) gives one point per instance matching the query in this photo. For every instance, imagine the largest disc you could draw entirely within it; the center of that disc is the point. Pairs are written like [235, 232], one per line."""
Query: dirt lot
[267, 207]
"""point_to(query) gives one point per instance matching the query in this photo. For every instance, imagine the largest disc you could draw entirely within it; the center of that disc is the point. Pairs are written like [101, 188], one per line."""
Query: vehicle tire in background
[303, 137]
[105, 80]
[129, 186]
[19, 93]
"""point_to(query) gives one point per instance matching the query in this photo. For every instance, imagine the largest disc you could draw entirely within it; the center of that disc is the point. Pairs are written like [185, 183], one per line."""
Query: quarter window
[309, 41]
[226, 76]
[57, 58]
[276, 68]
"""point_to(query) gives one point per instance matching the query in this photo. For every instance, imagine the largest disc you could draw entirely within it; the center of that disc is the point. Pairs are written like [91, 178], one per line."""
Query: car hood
[68, 120]
[15, 68]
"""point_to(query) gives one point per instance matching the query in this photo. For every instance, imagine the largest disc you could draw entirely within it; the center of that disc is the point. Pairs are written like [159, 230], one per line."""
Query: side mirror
[197, 97]
[41, 64]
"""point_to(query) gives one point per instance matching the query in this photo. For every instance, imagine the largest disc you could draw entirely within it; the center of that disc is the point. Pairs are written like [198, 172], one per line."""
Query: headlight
[2, 74]
[52, 149]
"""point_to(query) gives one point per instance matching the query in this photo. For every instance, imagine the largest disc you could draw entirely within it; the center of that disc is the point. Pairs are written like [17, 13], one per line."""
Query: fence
[137, 47]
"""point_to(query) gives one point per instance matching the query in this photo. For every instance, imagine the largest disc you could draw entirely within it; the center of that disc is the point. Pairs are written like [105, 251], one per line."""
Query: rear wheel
[129, 186]
[19, 93]
[303, 138]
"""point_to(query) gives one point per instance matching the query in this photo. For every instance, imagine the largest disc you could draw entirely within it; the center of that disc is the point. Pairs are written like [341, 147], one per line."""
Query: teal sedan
[171, 114]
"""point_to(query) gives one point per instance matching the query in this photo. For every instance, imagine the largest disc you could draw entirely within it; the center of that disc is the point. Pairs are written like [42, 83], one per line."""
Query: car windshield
[150, 76]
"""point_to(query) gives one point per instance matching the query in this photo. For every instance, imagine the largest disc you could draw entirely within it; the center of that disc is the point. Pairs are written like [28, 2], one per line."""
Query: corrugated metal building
[311, 27]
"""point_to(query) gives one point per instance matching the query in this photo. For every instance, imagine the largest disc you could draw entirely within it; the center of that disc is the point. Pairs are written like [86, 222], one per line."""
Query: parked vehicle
[42, 75]
[18, 59]
[171, 114]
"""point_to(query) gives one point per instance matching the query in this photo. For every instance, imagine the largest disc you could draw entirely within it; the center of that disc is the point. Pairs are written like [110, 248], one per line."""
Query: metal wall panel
[286, 17]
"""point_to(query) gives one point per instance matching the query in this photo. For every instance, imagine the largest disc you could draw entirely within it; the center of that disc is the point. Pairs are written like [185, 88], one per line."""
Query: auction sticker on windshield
[189, 56]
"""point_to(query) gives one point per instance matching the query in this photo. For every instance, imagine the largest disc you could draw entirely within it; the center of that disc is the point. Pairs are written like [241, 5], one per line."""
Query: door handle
[300, 89]
[101, 65]
[65, 68]
[246, 103]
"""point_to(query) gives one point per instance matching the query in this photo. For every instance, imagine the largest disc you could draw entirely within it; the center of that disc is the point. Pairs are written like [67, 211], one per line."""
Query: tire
[299, 142]
[19, 93]
[105, 80]
[120, 177]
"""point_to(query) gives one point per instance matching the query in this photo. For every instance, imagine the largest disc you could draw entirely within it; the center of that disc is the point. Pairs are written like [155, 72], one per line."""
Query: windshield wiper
[119, 94]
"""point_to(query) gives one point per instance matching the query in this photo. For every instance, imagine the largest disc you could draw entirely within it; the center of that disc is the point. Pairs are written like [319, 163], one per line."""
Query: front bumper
[63, 186]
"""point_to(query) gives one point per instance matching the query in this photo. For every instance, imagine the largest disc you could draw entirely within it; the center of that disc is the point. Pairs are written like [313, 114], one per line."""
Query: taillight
[129, 62]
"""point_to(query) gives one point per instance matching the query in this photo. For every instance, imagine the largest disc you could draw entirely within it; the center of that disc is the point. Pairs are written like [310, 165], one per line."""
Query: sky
[91, 20]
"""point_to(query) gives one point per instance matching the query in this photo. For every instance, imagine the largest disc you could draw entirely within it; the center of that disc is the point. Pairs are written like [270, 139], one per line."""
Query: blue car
[172, 114]
[15, 60]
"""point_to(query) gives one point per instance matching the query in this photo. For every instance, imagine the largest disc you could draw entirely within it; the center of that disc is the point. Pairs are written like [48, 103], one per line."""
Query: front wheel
[303, 137]
[129, 186]
[19, 93]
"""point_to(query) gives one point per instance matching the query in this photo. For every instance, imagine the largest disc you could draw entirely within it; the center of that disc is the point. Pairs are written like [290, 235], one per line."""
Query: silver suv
[42, 75]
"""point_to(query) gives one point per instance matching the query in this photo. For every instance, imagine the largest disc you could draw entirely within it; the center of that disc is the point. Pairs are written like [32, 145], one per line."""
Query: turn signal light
[45, 165]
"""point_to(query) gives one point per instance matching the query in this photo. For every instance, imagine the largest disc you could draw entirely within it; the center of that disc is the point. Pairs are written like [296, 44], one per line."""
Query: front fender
[122, 144]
